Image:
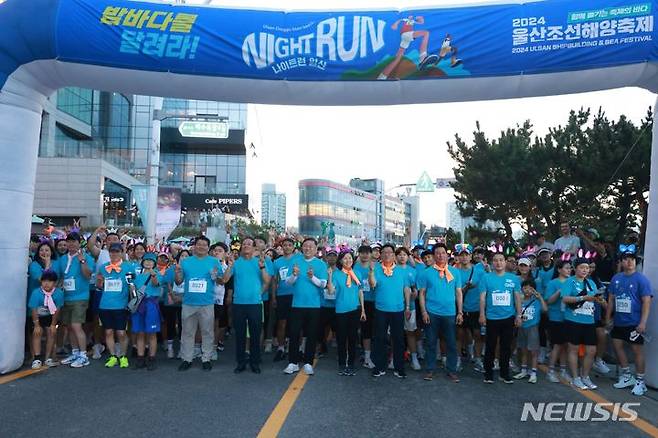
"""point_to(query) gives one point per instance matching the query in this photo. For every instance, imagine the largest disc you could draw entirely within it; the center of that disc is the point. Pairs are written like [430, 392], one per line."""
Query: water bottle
[483, 330]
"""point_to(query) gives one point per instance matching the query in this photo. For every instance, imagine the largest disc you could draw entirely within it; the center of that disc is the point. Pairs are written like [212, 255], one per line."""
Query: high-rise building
[376, 187]
[95, 147]
[273, 207]
[412, 218]
[327, 208]
[394, 225]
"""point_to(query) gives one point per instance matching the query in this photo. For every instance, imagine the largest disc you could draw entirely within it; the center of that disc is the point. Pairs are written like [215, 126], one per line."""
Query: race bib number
[501, 299]
[113, 285]
[43, 311]
[283, 273]
[69, 284]
[586, 309]
[328, 295]
[198, 286]
[623, 305]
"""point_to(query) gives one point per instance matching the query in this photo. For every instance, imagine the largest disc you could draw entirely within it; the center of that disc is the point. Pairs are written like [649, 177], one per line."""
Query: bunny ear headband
[586, 255]
[565, 257]
[495, 249]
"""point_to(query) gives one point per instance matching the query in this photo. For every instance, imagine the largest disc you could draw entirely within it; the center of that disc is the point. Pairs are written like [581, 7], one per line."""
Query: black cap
[115, 247]
[74, 236]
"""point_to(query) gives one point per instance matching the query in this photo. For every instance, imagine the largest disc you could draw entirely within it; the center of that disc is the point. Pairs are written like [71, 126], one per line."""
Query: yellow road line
[19, 375]
[639, 423]
[274, 423]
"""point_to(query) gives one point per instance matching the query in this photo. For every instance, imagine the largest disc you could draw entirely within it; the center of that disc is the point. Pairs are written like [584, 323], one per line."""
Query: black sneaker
[350, 372]
[220, 346]
[376, 373]
[255, 369]
[240, 368]
[279, 355]
[150, 363]
[400, 374]
[139, 363]
[507, 379]
[206, 366]
[342, 372]
[184, 366]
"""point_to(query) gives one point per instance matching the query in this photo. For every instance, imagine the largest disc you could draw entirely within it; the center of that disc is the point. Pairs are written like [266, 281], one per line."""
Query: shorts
[114, 319]
[45, 321]
[368, 325]
[221, 315]
[283, 306]
[406, 39]
[556, 332]
[74, 312]
[528, 338]
[578, 334]
[147, 321]
[472, 321]
[410, 324]
[624, 333]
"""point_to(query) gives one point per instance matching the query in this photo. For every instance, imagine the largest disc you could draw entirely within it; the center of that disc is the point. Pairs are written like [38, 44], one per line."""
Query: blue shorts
[113, 319]
[148, 320]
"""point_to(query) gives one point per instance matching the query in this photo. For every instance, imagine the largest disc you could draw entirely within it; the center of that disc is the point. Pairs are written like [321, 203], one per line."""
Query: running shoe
[292, 368]
[123, 362]
[640, 388]
[112, 362]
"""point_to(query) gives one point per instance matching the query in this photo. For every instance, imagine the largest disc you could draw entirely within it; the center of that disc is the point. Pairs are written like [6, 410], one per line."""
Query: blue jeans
[444, 325]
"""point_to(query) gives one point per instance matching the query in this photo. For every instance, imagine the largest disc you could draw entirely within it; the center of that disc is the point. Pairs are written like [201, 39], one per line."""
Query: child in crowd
[528, 336]
[45, 303]
[146, 320]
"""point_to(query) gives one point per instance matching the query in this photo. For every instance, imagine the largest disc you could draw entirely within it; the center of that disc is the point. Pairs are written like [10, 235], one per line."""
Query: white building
[273, 207]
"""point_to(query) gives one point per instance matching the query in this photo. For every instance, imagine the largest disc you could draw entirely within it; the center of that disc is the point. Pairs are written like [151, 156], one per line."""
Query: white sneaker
[533, 378]
[625, 381]
[588, 382]
[390, 365]
[292, 368]
[308, 369]
[368, 363]
[36, 364]
[170, 352]
[415, 365]
[578, 383]
[522, 375]
[564, 375]
[70, 359]
[600, 366]
[640, 388]
[51, 363]
[552, 377]
[81, 361]
[98, 351]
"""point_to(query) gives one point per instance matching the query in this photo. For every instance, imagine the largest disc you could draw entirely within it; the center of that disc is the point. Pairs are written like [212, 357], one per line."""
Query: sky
[393, 143]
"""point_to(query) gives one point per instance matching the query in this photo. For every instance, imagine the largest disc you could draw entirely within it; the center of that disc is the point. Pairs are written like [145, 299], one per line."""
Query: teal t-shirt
[472, 296]
[115, 290]
[389, 293]
[556, 309]
[531, 312]
[283, 269]
[584, 312]
[75, 285]
[150, 290]
[197, 277]
[247, 281]
[543, 277]
[347, 298]
[413, 279]
[440, 294]
[37, 297]
[362, 273]
[305, 293]
[500, 293]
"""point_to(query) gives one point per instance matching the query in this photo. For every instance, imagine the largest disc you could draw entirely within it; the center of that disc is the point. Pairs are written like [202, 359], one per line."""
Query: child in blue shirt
[146, 320]
[527, 340]
[45, 304]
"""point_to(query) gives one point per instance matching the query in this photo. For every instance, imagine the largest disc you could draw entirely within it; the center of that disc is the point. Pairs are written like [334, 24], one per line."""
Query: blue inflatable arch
[494, 51]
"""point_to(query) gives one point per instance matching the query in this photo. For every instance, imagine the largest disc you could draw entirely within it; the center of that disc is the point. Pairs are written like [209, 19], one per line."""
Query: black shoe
[342, 372]
[206, 366]
[184, 366]
[134, 352]
[240, 368]
[255, 369]
[400, 374]
[150, 363]
[376, 373]
[280, 354]
[139, 363]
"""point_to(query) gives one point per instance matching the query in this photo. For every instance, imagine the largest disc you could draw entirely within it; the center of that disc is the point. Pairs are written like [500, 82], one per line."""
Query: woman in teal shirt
[347, 288]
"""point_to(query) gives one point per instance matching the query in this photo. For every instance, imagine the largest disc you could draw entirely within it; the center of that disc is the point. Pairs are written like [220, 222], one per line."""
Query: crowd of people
[383, 307]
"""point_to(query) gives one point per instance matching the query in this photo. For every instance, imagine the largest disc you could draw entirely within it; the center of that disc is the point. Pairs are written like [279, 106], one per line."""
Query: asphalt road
[100, 402]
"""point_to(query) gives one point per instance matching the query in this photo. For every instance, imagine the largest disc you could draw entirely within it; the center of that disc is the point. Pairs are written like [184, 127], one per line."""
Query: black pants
[244, 314]
[172, 314]
[543, 329]
[306, 320]
[347, 327]
[384, 320]
[503, 330]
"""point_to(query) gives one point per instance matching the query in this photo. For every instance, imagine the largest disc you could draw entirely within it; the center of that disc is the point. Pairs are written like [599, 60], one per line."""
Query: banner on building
[168, 213]
[141, 198]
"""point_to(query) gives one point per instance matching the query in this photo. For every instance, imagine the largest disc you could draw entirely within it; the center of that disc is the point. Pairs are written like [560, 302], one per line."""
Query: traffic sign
[425, 183]
[204, 129]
